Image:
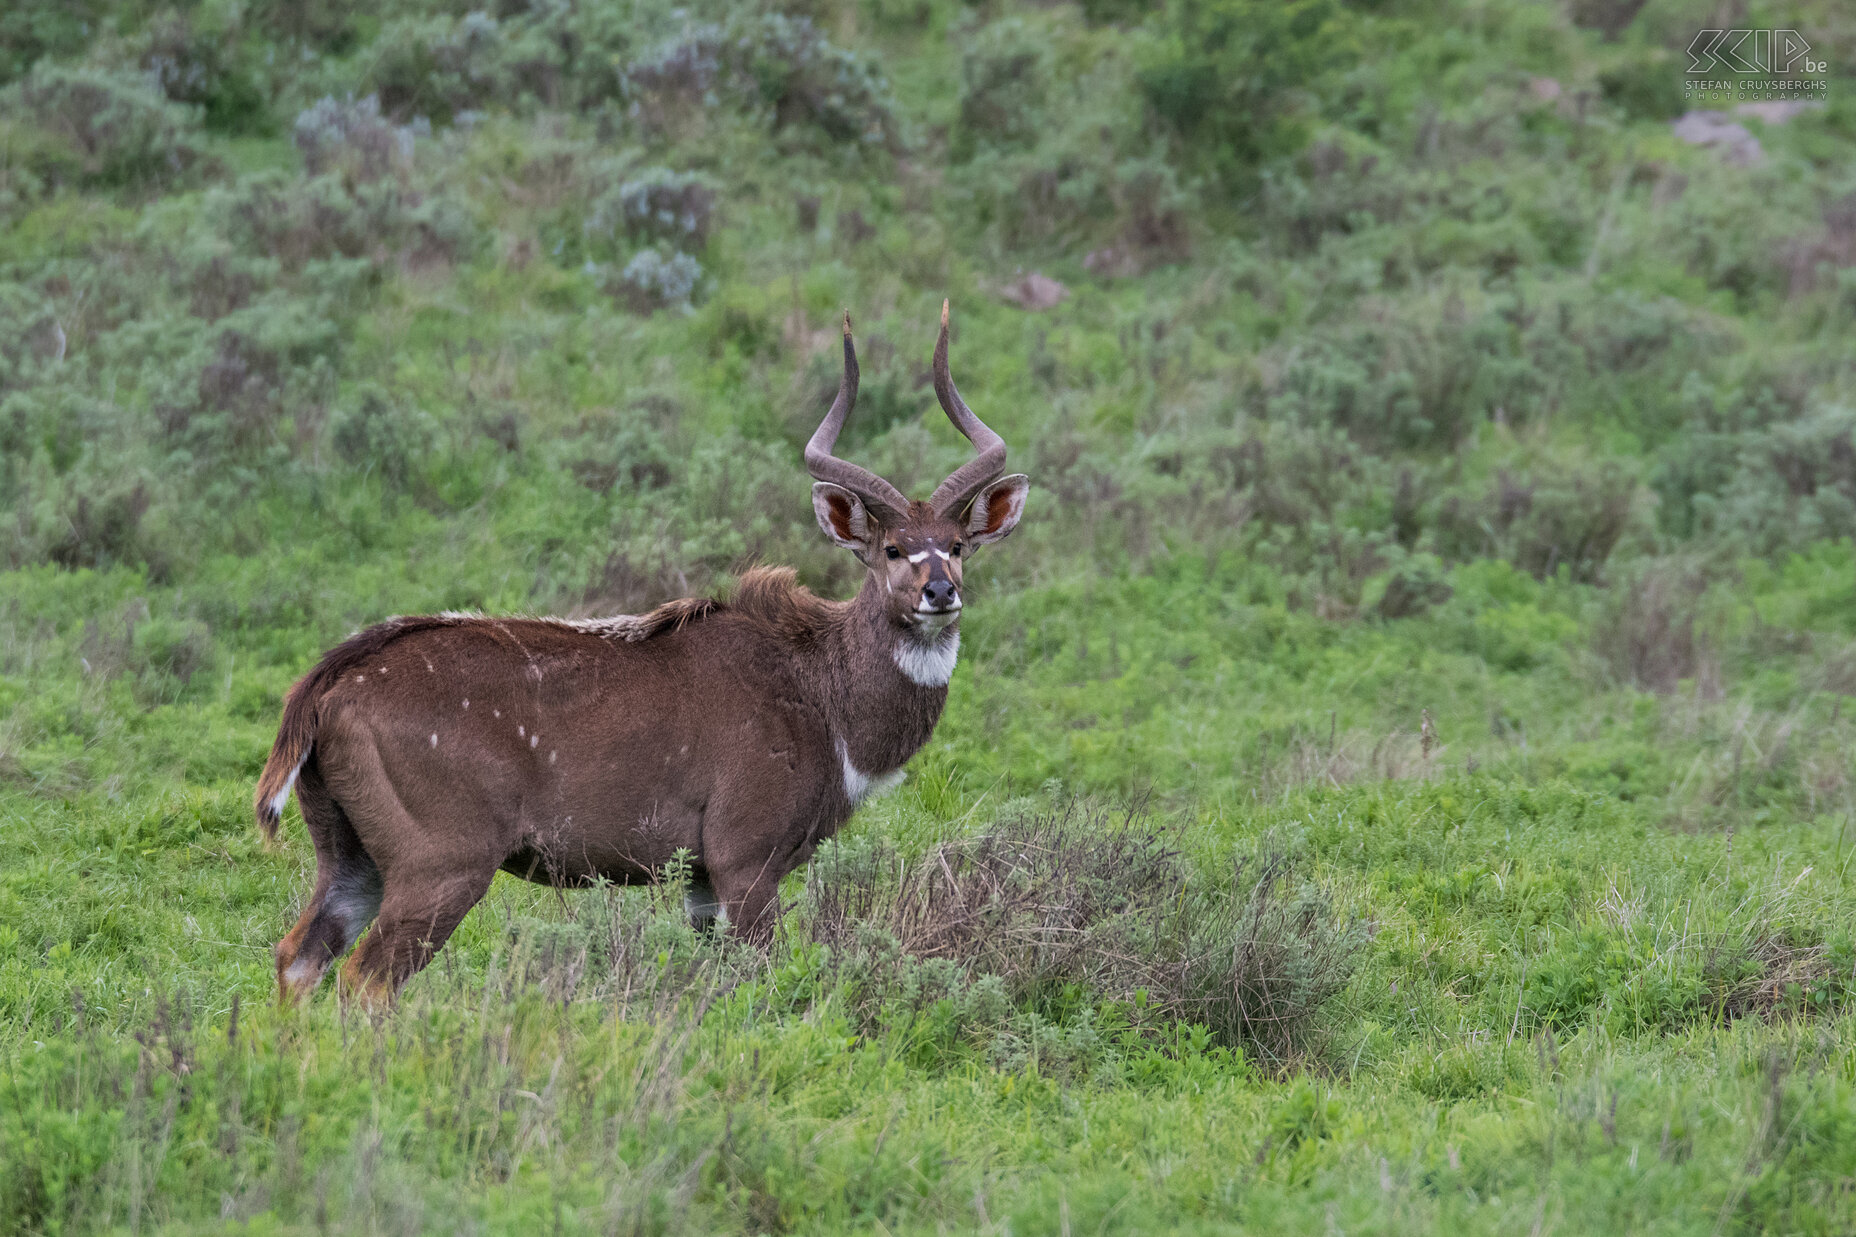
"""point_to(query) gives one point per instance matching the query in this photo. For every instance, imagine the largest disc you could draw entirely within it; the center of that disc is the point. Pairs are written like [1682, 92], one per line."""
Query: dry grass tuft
[1650, 634]
[1074, 900]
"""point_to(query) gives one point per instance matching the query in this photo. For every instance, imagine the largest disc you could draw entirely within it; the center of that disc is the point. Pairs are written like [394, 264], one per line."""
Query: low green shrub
[436, 67]
[1004, 87]
[654, 280]
[1553, 519]
[1646, 84]
[379, 436]
[35, 30]
[658, 204]
[352, 137]
[1230, 78]
[200, 63]
[1410, 381]
[91, 128]
[781, 69]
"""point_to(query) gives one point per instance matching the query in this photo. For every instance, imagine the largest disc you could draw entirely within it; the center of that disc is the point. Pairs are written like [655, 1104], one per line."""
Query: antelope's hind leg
[422, 908]
[347, 893]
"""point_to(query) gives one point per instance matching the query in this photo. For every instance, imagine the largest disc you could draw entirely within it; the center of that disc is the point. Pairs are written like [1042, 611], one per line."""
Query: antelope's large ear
[841, 514]
[996, 510]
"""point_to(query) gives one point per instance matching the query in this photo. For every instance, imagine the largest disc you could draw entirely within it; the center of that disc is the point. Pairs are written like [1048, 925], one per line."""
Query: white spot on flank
[360, 678]
[534, 739]
[859, 785]
[551, 756]
[282, 797]
[520, 732]
[434, 739]
[927, 665]
[496, 712]
[467, 704]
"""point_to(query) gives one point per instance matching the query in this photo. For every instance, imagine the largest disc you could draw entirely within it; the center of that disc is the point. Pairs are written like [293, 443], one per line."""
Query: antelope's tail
[295, 737]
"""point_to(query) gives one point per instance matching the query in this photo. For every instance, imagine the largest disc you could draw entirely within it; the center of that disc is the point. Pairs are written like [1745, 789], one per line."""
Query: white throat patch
[928, 665]
[859, 785]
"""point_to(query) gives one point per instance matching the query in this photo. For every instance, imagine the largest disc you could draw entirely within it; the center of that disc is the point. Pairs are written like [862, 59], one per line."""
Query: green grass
[1572, 1005]
[1440, 491]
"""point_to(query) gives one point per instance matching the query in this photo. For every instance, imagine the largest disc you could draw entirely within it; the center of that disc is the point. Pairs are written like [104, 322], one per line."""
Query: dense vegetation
[1398, 779]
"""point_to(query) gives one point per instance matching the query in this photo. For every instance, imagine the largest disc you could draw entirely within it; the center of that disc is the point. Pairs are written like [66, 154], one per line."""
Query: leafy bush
[1413, 587]
[1409, 380]
[379, 436]
[653, 280]
[351, 136]
[1793, 483]
[435, 67]
[1331, 189]
[92, 128]
[778, 67]
[1004, 72]
[202, 67]
[328, 27]
[258, 366]
[1227, 77]
[1049, 155]
[621, 449]
[169, 653]
[802, 77]
[33, 30]
[311, 227]
[890, 391]
[659, 204]
[1646, 85]
[1554, 519]
[1609, 17]
[99, 528]
[677, 77]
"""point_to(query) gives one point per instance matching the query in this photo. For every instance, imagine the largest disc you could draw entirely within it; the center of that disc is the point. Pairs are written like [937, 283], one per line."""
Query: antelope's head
[913, 550]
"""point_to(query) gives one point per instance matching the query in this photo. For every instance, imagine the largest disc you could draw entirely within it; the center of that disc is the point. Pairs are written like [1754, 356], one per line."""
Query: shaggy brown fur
[429, 753]
[434, 751]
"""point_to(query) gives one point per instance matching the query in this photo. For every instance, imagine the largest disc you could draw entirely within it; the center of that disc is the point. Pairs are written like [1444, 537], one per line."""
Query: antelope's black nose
[940, 595]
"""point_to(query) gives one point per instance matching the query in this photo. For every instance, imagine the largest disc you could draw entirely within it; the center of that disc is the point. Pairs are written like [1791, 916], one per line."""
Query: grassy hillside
[1398, 779]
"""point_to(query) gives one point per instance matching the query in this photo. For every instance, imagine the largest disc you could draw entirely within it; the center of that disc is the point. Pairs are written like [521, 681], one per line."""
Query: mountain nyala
[428, 753]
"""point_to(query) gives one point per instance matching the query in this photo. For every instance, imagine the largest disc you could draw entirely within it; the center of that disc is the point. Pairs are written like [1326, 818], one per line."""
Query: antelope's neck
[890, 686]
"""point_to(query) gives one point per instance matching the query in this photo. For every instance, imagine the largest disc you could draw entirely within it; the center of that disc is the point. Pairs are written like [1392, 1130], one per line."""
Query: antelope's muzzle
[939, 596]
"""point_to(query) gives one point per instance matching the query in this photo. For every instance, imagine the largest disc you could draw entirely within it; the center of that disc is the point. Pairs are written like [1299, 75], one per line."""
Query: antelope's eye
[956, 550]
[894, 552]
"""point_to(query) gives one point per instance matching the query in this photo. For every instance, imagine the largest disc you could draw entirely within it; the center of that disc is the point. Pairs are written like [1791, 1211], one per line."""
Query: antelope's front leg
[744, 876]
[750, 903]
[702, 905]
